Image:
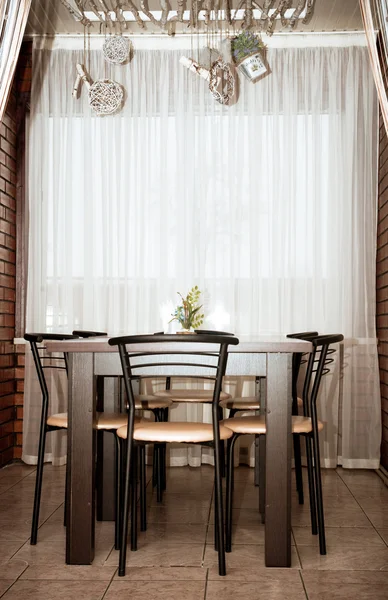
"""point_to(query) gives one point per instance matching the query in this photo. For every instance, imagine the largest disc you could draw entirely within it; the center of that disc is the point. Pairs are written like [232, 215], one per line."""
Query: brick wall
[382, 287]
[11, 192]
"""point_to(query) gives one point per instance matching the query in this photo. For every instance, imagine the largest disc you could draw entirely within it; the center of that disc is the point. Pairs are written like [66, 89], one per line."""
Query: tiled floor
[176, 559]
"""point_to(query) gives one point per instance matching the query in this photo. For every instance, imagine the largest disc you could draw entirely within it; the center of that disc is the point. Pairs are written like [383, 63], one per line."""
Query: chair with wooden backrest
[181, 356]
[307, 425]
[55, 422]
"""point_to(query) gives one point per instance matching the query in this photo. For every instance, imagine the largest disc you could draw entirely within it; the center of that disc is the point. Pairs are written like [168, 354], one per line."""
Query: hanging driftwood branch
[132, 8]
[248, 18]
[271, 12]
[292, 21]
[78, 16]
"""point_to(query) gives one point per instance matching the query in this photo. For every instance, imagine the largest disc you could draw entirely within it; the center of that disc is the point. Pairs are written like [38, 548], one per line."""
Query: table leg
[81, 459]
[106, 453]
[278, 461]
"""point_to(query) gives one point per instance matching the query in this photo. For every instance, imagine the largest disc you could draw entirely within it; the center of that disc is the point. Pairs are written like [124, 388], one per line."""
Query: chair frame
[317, 365]
[34, 339]
[128, 367]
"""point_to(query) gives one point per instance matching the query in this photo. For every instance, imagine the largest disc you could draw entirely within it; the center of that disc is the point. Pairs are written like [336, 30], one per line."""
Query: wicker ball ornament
[105, 96]
[117, 49]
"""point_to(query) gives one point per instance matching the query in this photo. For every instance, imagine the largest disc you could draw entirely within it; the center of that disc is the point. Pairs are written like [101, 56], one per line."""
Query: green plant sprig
[244, 44]
[187, 313]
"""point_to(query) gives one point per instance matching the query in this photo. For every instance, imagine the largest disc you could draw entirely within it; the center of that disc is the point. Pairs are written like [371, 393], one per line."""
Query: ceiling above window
[185, 16]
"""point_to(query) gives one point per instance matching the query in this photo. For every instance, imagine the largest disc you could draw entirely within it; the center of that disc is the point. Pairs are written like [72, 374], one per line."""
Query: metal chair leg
[143, 497]
[118, 471]
[134, 499]
[219, 514]
[38, 482]
[310, 473]
[319, 498]
[125, 509]
[229, 493]
[298, 468]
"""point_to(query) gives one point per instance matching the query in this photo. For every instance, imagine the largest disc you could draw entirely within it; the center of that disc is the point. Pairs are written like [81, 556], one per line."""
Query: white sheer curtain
[269, 206]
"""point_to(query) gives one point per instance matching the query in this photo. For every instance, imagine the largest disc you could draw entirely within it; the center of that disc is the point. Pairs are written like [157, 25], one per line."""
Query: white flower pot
[253, 66]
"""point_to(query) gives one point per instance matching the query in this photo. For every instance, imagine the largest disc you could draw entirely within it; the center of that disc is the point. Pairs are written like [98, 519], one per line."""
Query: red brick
[6, 428]
[7, 374]
[7, 281]
[7, 387]
[7, 414]
[19, 373]
[6, 401]
[7, 268]
[18, 426]
[6, 146]
[19, 413]
[21, 361]
[18, 399]
[6, 456]
[7, 294]
[6, 442]
[7, 333]
[17, 452]
[20, 386]
[10, 202]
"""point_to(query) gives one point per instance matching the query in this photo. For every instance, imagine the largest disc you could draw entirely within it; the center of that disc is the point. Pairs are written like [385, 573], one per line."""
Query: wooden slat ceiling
[50, 17]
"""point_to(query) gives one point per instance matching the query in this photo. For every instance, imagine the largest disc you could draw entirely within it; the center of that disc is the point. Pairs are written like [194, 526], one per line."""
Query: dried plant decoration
[258, 15]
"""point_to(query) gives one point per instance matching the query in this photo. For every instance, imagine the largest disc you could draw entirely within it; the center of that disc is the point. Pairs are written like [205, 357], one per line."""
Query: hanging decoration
[259, 15]
[247, 51]
[105, 96]
[222, 82]
[117, 49]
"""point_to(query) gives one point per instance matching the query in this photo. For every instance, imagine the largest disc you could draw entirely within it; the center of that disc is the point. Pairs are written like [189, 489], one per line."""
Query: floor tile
[53, 553]
[378, 517]
[69, 572]
[244, 555]
[384, 534]
[175, 514]
[340, 558]
[169, 533]
[345, 585]
[19, 470]
[246, 573]
[8, 549]
[56, 590]
[5, 584]
[164, 574]
[242, 534]
[158, 554]
[334, 517]
[233, 590]
[338, 536]
[158, 590]
[12, 569]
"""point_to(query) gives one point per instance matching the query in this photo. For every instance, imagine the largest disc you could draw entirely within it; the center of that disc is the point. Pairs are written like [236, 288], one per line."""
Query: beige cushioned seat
[248, 403]
[145, 402]
[106, 421]
[174, 432]
[256, 425]
[190, 395]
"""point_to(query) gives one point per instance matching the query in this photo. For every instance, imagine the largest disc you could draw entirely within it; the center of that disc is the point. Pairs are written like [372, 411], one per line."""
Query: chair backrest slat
[163, 361]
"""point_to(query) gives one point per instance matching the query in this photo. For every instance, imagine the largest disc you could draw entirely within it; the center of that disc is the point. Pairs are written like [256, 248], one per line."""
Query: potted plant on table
[187, 313]
[247, 51]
